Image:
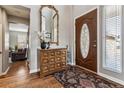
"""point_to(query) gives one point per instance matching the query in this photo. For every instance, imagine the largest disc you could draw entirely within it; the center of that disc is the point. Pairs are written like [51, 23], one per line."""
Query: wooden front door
[86, 41]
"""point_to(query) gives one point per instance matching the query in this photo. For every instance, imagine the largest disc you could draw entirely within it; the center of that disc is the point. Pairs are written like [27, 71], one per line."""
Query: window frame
[104, 42]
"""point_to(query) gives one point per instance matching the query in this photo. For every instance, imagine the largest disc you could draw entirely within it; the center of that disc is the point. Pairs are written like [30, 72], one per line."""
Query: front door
[86, 41]
[0, 48]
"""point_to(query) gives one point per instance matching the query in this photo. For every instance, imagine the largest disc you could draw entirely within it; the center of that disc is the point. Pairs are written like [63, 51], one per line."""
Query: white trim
[4, 73]
[98, 38]
[111, 78]
[34, 70]
[1, 56]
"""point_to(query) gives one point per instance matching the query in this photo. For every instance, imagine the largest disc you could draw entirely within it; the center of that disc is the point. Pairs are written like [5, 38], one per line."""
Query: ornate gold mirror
[49, 23]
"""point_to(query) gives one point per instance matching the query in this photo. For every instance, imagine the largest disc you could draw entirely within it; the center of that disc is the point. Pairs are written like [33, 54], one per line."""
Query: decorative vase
[43, 45]
[48, 45]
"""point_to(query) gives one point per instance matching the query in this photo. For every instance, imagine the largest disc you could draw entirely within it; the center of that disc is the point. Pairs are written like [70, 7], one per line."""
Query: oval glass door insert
[84, 40]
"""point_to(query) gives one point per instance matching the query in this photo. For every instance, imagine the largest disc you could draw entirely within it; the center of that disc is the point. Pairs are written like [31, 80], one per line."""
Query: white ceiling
[17, 10]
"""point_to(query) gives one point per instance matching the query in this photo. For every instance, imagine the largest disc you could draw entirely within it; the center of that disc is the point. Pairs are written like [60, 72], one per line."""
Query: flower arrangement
[44, 44]
[41, 36]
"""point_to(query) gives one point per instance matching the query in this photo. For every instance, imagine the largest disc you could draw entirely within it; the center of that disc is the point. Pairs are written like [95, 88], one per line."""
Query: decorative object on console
[48, 45]
[52, 60]
[42, 40]
[43, 45]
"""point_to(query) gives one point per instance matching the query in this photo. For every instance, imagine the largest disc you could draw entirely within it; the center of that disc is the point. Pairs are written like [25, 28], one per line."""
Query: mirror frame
[53, 8]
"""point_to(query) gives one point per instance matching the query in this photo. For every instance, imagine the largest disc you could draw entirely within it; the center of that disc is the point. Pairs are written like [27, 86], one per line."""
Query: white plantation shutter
[112, 59]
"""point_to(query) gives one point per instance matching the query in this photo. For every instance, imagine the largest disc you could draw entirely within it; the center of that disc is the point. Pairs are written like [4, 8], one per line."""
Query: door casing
[1, 48]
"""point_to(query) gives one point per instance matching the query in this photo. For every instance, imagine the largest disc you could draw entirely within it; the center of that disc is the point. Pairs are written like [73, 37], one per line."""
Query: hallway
[18, 76]
[18, 68]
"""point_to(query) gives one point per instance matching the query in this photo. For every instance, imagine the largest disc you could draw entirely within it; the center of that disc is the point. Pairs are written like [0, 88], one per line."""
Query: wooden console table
[52, 60]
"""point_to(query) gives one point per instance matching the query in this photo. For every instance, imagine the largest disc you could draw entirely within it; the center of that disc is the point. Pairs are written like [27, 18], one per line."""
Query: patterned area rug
[75, 77]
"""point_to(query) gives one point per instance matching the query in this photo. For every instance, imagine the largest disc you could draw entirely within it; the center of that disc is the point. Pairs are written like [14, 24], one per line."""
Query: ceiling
[17, 10]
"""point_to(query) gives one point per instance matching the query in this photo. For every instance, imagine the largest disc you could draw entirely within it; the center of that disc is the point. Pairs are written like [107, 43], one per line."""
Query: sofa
[19, 55]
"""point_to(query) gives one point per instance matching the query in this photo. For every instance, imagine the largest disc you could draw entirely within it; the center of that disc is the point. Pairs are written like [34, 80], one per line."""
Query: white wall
[33, 39]
[65, 15]
[65, 26]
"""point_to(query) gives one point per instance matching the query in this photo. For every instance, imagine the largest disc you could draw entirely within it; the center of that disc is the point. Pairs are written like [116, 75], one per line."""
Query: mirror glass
[49, 24]
[84, 40]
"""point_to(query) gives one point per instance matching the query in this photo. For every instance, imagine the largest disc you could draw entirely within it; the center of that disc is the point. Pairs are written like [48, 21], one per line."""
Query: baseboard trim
[34, 70]
[111, 78]
[4, 73]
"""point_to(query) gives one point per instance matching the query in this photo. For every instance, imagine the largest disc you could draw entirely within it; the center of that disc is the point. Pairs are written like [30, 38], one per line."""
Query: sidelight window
[112, 40]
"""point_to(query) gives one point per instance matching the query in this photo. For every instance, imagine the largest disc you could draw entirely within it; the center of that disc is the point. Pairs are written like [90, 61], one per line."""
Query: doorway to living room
[18, 25]
[18, 45]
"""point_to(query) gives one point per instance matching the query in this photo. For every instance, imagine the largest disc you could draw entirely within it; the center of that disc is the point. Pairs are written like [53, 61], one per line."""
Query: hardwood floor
[18, 77]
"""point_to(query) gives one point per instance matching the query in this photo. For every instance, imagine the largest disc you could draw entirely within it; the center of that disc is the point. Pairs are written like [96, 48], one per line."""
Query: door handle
[94, 46]
[94, 41]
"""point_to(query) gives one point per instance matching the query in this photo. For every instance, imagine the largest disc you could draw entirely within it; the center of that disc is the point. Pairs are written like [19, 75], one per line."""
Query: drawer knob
[52, 59]
[45, 67]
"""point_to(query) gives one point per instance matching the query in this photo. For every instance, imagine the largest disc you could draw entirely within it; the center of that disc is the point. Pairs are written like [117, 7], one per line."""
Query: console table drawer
[63, 53]
[45, 54]
[52, 67]
[51, 54]
[63, 64]
[58, 59]
[58, 65]
[52, 60]
[45, 60]
[63, 58]
[57, 53]
[45, 69]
